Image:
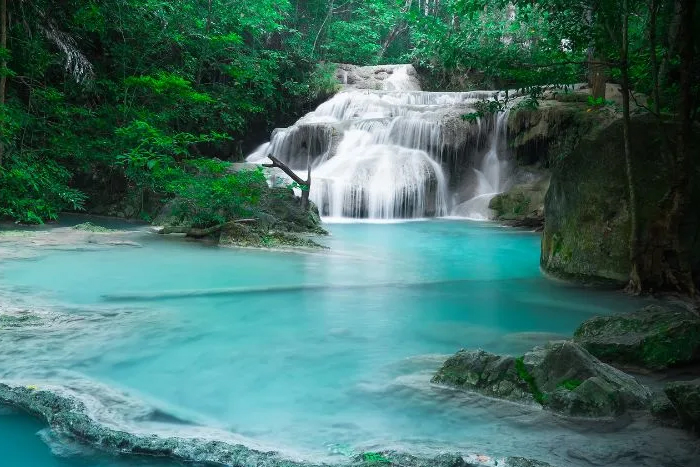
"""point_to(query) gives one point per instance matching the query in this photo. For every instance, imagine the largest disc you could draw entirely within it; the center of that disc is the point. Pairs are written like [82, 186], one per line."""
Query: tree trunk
[396, 31]
[666, 263]
[3, 66]
[598, 78]
[672, 39]
[653, 59]
[681, 184]
[635, 284]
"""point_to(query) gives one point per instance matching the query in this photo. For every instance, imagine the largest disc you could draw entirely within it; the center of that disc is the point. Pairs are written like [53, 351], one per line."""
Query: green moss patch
[525, 375]
[570, 384]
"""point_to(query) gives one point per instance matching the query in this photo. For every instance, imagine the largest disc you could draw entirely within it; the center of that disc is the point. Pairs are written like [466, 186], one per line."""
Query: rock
[586, 233]
[662, 409]
[524, 462]
[282, 211]
[523, 204]
[277, 209]
[539, 137]
[378, 77]
[243, 235]
[685, 397]
[485, 373]
[653, 337]
[562, 376]
[90, 227]
[69, 418]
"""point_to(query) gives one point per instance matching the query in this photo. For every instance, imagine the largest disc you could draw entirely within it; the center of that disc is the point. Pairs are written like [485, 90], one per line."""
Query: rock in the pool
[562, 376]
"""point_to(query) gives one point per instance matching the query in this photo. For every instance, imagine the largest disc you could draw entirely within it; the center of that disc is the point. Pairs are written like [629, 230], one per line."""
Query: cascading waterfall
[391, 153]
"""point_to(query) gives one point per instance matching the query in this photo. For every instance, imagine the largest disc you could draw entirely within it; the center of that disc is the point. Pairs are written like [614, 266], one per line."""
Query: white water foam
[382, 154]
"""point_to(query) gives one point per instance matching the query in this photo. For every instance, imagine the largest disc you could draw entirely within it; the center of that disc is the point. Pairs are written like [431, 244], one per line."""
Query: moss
[523, 374]
[587, 207]
[90, 227]
[569, 384]
[374, 459]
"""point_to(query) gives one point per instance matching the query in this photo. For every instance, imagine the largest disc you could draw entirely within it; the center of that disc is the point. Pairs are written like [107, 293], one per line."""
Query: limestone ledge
[69, 418]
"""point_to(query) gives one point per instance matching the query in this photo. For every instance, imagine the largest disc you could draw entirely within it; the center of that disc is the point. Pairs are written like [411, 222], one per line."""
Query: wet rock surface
[69, 418]
[522, 205]
[655, 337]
[561, 376]
[685, 398]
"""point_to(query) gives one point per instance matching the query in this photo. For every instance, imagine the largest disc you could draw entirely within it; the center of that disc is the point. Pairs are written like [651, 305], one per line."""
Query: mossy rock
[255, 236]
[522, 204]
[653, 337]
[90, 227]
[685, 397]
[277, 210]
[586, 233]
[485, 373]
[562, 377]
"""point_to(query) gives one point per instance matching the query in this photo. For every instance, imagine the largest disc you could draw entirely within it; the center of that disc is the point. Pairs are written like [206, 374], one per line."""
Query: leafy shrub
[33, 189]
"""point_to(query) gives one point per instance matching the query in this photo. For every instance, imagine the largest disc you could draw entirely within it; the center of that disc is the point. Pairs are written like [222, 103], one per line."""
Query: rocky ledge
[70, 419]
[277, 221]
[653, 338]
[561, 376]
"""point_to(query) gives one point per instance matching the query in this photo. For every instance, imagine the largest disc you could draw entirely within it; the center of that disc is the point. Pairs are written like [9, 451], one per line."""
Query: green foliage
[599, 101]
[103, 92]
[486, 107]
[33, 190]
[207, 195]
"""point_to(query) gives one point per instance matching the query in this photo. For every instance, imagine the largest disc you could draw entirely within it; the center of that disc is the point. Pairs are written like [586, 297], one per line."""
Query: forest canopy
[104, 100]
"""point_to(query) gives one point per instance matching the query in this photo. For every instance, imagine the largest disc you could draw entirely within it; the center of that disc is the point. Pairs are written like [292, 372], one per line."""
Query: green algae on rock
[654, 337]
[586, 233]
[485, 373]
[90, 227]
[545, 375]
[523, 204]
[685, 397]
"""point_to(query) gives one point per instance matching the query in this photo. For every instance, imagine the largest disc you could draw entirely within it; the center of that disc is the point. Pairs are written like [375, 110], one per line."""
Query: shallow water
[317, 355]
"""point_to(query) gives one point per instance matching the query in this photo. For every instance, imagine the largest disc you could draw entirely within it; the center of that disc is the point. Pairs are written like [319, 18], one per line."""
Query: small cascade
[489, 176]
[393, 153]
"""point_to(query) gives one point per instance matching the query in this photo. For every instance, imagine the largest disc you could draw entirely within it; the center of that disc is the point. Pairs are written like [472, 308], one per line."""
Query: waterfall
[489, 175]
[394, 152]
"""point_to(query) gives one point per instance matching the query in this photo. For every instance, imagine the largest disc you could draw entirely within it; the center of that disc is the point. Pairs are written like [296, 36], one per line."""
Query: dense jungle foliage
[136, 102]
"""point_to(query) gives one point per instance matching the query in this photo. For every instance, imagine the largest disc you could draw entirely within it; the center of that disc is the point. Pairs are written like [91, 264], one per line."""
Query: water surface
[318, 355]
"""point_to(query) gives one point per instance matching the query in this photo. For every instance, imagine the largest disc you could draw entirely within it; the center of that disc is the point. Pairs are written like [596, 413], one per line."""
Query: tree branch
[281, 165]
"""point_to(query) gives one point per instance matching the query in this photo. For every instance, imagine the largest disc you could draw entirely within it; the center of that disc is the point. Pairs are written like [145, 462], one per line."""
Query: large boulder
[653, 337]
[586, 234]
[562, 376]
[522, 205]
[685, 397]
